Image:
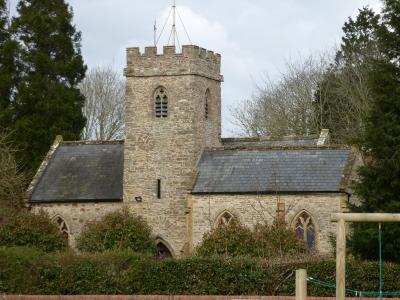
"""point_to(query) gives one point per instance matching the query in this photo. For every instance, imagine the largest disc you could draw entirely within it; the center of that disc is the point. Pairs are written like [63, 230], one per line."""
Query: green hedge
[32, 230]
[27, 271]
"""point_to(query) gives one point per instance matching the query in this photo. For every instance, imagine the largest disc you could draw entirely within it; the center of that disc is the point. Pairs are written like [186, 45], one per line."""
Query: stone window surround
[160, 98]
[310, 220]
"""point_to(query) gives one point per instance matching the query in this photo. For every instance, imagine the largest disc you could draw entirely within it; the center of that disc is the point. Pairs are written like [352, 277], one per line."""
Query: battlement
[193, 60]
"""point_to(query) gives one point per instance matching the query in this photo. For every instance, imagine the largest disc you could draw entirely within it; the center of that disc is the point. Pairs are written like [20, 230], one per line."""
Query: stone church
[175, 170]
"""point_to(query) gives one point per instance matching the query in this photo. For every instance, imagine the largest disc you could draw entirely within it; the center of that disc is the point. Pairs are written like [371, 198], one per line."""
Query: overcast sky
[253, 36]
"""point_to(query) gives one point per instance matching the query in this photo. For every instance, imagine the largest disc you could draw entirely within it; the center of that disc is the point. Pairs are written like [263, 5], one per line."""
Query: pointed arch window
[62, 226]
[224, 219]
[305, 229]
[161, 103]
[207, 103]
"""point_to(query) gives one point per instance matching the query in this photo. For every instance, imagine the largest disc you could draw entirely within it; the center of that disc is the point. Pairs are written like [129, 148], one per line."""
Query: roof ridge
[96, 142]
[266, 148]
[270, 138]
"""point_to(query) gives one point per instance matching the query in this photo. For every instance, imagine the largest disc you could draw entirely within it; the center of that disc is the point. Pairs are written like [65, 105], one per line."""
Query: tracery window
[62, 226]
[206, 103]
[225, 219]
[305, 229]
[161, 103]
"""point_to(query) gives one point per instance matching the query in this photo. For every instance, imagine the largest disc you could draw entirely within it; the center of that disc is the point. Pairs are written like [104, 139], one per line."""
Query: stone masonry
[168, 148]
[253, 209]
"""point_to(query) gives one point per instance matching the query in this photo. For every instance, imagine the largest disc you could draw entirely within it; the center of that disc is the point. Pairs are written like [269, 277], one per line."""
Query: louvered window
[161, 103]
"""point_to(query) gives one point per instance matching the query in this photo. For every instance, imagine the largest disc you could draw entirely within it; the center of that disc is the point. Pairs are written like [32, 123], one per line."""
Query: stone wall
[76, 215]
[253, 209]
[168, 148]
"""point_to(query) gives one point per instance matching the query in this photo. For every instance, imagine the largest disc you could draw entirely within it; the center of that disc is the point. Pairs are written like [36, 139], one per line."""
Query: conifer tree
[7, 66]
[379, 185]
[48, 101]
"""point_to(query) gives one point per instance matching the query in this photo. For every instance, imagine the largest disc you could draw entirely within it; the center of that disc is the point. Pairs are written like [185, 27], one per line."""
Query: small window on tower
[207, 103]
[161, 103]
[158, 188]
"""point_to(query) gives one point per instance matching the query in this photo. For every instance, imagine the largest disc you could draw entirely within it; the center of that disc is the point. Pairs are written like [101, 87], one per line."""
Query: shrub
[32, 230]
[117, 230]
[277, 240]
[231, 240]
[266, 241]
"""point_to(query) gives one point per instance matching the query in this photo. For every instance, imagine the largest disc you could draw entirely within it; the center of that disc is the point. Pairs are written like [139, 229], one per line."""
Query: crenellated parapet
[193, 60]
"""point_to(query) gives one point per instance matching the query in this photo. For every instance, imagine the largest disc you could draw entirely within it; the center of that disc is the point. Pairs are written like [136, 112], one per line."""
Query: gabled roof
[81, 171]
[312, 169]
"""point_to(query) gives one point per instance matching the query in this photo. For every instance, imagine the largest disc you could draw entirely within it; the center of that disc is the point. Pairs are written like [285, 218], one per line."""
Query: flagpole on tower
[173, 22]
[155, 33]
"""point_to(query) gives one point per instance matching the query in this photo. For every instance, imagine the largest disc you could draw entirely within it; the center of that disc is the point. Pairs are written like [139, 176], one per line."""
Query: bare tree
[104, 91]
[285, 106]
[12, 180]
[344, 100]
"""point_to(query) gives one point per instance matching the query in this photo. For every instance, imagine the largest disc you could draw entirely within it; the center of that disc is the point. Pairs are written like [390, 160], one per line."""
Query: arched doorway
[162, 249]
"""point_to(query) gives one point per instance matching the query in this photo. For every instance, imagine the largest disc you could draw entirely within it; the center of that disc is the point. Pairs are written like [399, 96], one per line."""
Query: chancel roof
[273, 170]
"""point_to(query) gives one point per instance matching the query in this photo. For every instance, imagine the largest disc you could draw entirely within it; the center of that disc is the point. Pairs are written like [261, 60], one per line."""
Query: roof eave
[269, 192]
[39, 173]
[72, 201]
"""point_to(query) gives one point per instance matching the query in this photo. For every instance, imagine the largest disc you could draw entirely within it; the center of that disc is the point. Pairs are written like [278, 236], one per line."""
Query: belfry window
[161, 103]
[207, 103]
[305, 229]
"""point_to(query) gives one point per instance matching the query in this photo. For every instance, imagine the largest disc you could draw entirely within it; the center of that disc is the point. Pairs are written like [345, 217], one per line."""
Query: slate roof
[273, 170]
[234, 143]
[79, 172]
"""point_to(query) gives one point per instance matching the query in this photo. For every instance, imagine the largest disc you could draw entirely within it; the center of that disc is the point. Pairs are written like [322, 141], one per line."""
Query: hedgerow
[27, 271]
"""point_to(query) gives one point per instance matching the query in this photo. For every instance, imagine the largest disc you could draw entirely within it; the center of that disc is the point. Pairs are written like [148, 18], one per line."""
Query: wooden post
[341, 219]
[301, 284]
[340, 260]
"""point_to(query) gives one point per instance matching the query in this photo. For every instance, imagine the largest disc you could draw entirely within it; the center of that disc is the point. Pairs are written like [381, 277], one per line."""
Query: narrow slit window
[161, 103]
[158, 188]
[206, 104]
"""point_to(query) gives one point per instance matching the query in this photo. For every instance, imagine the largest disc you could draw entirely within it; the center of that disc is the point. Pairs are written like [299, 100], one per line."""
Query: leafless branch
[104, 91]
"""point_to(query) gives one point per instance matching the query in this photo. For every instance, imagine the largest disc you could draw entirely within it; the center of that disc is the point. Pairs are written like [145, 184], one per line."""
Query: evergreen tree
[7, 66]
[379, 184]
[48, 101]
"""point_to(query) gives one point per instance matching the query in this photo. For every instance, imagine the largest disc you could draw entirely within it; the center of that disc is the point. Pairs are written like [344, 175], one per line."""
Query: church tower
[173, 112]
